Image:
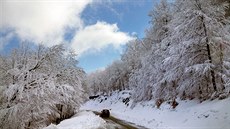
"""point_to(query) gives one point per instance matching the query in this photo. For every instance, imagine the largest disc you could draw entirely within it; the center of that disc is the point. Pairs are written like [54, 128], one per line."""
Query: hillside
[188, 114]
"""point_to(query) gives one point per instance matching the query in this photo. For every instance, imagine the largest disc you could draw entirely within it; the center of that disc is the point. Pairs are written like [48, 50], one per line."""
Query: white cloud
[46, 21]
[98, 36]
[41, 20]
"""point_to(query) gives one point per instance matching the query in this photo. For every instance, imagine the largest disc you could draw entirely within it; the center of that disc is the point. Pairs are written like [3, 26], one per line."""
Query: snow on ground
[83, 120]
[187, 115]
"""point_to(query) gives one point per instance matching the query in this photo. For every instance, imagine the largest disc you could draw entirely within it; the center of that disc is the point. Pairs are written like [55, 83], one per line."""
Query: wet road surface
[114, 123]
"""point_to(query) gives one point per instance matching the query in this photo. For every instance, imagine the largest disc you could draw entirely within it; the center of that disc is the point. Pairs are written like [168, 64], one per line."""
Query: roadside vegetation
[39, 86]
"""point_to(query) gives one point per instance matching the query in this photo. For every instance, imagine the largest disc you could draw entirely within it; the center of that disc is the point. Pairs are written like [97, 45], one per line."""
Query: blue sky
[96, 30]
[130, 16]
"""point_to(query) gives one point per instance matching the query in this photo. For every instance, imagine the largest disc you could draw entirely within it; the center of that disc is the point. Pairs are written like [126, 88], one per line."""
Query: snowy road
[114, 123]
[87, 119]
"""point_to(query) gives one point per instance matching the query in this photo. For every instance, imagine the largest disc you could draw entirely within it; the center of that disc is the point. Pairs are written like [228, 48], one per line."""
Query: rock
[159, 102]
[93, 97]
[222, 96]
[174, 104]
[126, 101]
[105, 113]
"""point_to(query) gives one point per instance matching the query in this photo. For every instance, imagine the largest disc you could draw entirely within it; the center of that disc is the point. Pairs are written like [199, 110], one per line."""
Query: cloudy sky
[96, 29]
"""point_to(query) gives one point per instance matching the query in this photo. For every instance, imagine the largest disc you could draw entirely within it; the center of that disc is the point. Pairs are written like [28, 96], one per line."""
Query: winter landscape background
[173, 75]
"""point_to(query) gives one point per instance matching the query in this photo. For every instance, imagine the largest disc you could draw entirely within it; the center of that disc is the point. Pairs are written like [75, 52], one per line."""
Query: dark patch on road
[119, 124]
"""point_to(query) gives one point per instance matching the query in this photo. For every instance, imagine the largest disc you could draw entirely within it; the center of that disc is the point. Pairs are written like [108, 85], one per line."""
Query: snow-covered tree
[114, 77]
[45, 86]
[198, 37]
[97, 82]
[135, 50]
[118, 75]
[149, 75]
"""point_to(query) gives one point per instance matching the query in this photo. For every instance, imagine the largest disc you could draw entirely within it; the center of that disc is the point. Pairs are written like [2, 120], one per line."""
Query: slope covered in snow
[188, 114]
[83, 120]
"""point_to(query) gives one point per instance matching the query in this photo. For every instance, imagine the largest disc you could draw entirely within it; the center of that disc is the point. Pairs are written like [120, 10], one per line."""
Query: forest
[184, 54]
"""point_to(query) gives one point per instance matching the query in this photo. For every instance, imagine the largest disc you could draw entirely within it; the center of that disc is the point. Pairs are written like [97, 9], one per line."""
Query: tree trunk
[221, 67]
[209, 55]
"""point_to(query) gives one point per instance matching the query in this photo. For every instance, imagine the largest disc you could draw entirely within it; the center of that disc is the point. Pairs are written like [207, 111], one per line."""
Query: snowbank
[83, 120]
[187, 115]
